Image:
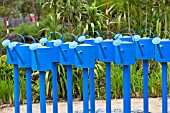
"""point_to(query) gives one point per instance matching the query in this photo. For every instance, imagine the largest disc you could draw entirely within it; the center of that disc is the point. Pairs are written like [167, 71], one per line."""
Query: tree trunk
[146, 24]
[70, 29]
[55, 17]
[63, 25]
[34, 8]
[128, 17]
[165, 14]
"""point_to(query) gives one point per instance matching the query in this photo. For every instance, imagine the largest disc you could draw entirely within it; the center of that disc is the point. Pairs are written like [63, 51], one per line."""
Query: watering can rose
[156, 40]
[73, 45]
[98, 40]
[33, 46]
[117, 42]
[57, 42]
[6, 42]
[136, 37]
[81, 38]
[12, 45]
[43, 40]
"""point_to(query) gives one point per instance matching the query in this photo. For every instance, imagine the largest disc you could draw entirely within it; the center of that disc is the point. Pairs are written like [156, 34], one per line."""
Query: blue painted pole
[69, 89]
[92, 91]
[54, 88]
[108, 88]
[42, 92]
[16, 89]
[29, 90]
[126, 89]
[164, 88]
[85, 91]
[145, 85]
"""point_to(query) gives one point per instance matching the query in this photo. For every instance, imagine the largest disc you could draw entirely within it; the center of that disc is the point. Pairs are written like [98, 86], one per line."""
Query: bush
[28, 29]
[6, 82]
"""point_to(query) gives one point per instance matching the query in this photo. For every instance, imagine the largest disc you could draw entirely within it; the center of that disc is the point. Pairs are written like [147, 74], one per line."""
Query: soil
[155, 106]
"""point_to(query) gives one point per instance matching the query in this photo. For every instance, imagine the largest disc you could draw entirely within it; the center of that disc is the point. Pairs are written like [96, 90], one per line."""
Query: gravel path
[155, 106]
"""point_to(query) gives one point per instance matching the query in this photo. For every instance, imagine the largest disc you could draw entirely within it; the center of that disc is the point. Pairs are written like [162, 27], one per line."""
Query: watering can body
[125, 53]
[145, 46]
[91, 41]
[41, 58]
[162, 49]
[86, 54]
[12, 57]
[67, 53]
[55, 56]
[107, 51]
[25, 54]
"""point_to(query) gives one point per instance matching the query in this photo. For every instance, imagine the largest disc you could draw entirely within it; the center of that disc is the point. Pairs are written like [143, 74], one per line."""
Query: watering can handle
[147, 31]
[61, 36]
[98, 34]
[162, 31]
[107, 32]
[124, 33]
[21, 37]
[126, 29]
[85, 34]
[71, 35]
[33, 40]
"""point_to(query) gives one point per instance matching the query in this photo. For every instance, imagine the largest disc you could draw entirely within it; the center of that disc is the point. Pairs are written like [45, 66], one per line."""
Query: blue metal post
[145, 85]
[85, 91]
[126, 89]
[54, 88]
[69, 89]
[92, 91]
[16, 89]
[108, 88]
[29, 90]
[164, 88]
[42, 92]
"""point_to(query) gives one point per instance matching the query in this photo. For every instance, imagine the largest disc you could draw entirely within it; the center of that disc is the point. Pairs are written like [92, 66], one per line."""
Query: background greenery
[78, 16]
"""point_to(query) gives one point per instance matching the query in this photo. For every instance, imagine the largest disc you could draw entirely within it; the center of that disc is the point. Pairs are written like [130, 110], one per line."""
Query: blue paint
[79, 59]
[69, 89]
[16, 89]
[86, 54]
[164, 88]
[145, 49]
[104, 56]
[62, 54]
[28, 90]
[108, 88]
[85, 91]
[140, 49]
[42, 92]
[160, 53]
[19, 57]
[107, 47]
[92, 91]
[10, 55]
[126, 89]
[145, 85]
[54, 88]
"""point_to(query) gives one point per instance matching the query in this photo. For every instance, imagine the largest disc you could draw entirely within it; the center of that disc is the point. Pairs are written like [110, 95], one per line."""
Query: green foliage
[6, 82]
[2, 30]
[26, 8]
[28, 29]
[6, 70]
[2, 9]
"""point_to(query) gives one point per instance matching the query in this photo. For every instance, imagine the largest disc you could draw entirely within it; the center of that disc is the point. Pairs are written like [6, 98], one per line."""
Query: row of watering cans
[123, 50]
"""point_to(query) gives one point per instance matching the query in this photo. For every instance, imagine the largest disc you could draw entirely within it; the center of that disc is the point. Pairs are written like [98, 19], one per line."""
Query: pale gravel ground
[155, 106]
